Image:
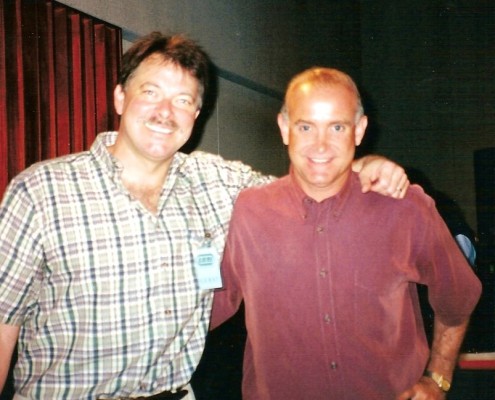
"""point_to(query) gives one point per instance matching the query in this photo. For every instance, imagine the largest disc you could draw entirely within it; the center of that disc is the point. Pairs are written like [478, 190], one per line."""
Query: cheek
[185, 118]
[298, 142]
[135, 106]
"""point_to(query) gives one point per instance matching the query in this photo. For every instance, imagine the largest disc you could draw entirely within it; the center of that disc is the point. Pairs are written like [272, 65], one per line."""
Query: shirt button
[320, 229]
[323, 272]
[327, 319]
[334, 365]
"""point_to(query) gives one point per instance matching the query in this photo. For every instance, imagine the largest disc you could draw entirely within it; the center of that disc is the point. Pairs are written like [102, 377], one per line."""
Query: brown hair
[177, 49]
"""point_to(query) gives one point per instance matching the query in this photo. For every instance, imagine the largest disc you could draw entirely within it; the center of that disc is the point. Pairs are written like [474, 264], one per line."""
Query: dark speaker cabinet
[483, 321]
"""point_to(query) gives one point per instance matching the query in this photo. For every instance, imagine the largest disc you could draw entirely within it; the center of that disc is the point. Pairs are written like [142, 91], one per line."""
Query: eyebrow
[148, 83]
[335, 122]
[303, 121]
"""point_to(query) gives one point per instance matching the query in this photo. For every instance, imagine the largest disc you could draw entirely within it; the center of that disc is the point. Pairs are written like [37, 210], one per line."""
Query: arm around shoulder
[8, 340]
[378, 174]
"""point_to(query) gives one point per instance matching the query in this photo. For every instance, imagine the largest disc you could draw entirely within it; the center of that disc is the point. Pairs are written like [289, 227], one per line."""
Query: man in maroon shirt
[328, 274]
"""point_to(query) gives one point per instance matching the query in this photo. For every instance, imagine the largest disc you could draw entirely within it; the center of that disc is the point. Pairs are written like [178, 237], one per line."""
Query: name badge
[207, 266]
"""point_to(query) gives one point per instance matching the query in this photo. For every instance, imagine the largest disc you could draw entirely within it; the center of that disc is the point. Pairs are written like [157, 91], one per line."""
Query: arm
[381, 175]
[8, 340]
[447, 341]
[224, 307]
[227, 300]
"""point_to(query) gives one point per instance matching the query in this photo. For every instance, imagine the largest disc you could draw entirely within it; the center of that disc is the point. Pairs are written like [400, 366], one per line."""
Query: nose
[321, 142]
[164, 107]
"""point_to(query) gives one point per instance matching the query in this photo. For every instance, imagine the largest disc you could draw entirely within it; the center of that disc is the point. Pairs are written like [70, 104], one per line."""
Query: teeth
[158, 128]
[319, 160]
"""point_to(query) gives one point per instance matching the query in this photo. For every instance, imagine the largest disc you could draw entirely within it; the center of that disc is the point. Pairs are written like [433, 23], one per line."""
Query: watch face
[442, 383]
[445, 385]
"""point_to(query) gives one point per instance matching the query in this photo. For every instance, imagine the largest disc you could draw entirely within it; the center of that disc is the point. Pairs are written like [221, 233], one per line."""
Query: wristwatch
[442, 383]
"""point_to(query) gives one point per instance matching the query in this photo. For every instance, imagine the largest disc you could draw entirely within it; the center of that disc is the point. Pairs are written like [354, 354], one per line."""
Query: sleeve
[21, 254]
[227, 300]
[233, 174]
[453, 288]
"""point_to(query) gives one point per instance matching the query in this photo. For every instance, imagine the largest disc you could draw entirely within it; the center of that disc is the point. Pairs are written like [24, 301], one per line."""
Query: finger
[399, 183]
[403, 181]
[405, 395]
[404, 188]
[392, 178]
[366, 185]
[401, 190]
[398, 177]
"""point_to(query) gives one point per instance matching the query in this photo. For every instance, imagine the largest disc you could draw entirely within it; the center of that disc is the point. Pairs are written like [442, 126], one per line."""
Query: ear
[118, 99]
[360, 129]
[283, 124]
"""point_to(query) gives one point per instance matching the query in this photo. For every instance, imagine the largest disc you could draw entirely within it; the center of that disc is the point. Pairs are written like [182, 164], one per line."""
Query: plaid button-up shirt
[104, 290]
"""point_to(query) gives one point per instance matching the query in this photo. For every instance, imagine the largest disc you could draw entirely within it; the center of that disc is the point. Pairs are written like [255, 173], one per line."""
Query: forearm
[447, 341]
[8, 340]
[357, 165]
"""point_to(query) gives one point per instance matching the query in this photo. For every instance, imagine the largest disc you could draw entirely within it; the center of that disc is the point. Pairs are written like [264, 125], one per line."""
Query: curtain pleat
[4, 165]
[14, 110]
[58, 68]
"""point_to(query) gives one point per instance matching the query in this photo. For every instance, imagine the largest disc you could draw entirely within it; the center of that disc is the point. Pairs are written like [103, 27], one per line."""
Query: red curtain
[58, 69]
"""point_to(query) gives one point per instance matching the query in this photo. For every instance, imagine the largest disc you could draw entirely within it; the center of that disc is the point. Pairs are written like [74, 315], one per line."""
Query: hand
[381, 175]
[8, 340]
[424, 389]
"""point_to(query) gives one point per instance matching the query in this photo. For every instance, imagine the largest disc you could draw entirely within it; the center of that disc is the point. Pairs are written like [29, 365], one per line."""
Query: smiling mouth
[166, 129]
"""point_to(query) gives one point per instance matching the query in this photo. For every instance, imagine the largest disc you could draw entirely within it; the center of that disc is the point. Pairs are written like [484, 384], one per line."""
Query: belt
[168, 395]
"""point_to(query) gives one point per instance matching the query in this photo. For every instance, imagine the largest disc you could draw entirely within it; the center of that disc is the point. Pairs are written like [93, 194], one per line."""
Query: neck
[147, 193]
[144, 179]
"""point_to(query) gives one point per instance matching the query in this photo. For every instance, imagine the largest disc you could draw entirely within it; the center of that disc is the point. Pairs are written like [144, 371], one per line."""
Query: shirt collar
[100, 150]
[114, 167]
[335, 204]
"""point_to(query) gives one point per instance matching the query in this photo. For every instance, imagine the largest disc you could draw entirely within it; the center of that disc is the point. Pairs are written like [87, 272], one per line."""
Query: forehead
[156, 69]
[309, 98]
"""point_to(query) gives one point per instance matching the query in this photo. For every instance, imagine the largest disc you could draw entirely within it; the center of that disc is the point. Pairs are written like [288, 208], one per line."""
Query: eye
[149, 93]
[184, 102]
[303, 128]
[339, 128]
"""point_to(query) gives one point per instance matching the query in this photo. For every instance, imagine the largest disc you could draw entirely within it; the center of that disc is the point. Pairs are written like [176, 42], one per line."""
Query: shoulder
[415, 208]
[265, 195]
[41, 178]
[202, 160]
[44, 169]
[414, 198]
[211, 167]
